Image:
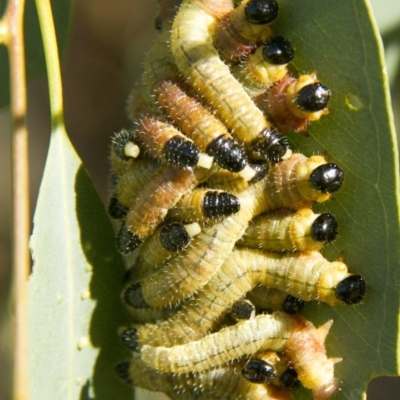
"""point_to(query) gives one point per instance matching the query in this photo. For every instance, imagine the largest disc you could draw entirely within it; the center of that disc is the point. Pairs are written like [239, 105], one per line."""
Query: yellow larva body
[307, 276]
[257, 75]
[266, 299]
[198, 60]
[247, 337]
[282, 231]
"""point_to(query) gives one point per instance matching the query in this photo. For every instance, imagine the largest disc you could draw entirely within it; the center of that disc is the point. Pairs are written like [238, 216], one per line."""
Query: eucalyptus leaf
[342, 44]
[34, 55]
[74, 304]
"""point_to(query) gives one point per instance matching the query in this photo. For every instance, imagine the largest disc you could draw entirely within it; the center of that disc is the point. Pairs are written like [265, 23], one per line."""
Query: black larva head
[313, 97]
[327, 178]
[174, 237]
[258, 371]
[133, 296]
[227, 154]
[119, 140]
[122, 371]
[271, 144]
[351, 290]
[261, 169]
[261, 11]
[243, 309]
[129, 338]
[278, 51]
[292, 305]
[289, 379]
[183, 153]
[220, 204]
[325, 228]
[127, 241]
[116, 209]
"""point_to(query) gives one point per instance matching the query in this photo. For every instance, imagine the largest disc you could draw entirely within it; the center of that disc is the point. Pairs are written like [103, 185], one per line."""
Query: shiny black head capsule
[258, 371]
[183, 153]
[327, 178]
[278, 51]
[243, 309]
[220, 204]
[227, 154]
[127, 241]
[174, 237]
[122, 371]
[271, 144]
[351, 290]
[325, 228]
[289, 380]
[313, 97]
[119, 140]
[133, 296]
[261, 11]
[292, 305]
[116, 209]
[129, 338]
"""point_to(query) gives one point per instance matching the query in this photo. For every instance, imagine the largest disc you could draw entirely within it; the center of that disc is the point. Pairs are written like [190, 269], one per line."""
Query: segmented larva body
[292, 103]
[199, 62]
[247, 337]
[307, 276]
[287, 231]
[288, 184]
[265, 299]
[203, 204]
[221, 383]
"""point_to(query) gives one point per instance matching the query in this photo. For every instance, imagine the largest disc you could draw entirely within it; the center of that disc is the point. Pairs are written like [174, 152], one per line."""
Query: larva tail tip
[205, 161]
[129, 338]
[247, 173]
[325, 391]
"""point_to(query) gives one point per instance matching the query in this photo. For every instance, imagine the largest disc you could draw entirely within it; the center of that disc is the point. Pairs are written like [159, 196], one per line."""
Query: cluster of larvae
[219, 210]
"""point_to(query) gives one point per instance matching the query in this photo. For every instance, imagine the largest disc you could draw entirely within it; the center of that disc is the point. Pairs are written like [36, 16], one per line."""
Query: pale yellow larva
[287, 231]
[266, 331]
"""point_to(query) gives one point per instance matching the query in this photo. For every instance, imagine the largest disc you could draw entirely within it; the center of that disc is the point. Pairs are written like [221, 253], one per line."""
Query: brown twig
[11, 34]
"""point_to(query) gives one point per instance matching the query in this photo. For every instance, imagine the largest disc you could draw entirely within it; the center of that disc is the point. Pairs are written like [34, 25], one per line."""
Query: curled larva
[198, 123]
[266, 331]
[161, 192]
[266, 66]
[204, 204]
[219, 384]
[307, 352]
[163, 244]
[291, 183]
[287, 231]
[265, 299]
[163, 141]
[198, 60]
[292, 103]
[306, 276]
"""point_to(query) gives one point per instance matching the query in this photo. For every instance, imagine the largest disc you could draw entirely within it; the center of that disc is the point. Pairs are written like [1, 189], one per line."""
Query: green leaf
[74, 304]
[342, 45]
[35, 63]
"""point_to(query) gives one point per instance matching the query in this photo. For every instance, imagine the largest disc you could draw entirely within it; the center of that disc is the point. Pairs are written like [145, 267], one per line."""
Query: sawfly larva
[286, 231]
[161, 193]
[292, 103]
[217, 384]
[209, 133]
[267, 65]
[203, 204]
[265, 331]
[199, 62]
[163, 141]
[306, 276]
[265, 299]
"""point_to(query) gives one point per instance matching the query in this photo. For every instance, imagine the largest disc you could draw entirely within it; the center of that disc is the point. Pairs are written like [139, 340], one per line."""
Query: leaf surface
[74, 304]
